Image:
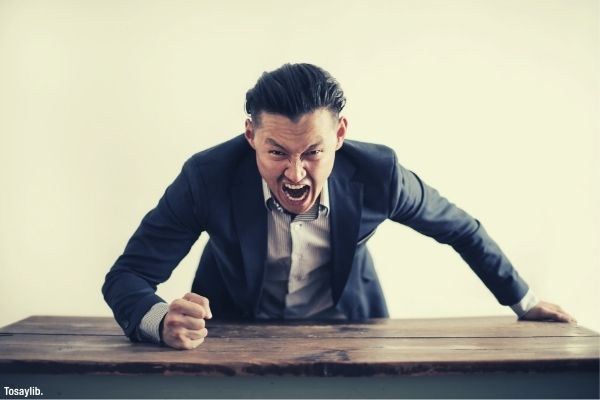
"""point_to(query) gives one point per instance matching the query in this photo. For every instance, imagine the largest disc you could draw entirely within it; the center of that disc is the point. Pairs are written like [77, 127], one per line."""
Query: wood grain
[378, 347]
[418, 328]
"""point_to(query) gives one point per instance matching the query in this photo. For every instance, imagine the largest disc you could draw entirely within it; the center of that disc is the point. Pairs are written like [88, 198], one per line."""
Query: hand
[183, 325]
[549, 312]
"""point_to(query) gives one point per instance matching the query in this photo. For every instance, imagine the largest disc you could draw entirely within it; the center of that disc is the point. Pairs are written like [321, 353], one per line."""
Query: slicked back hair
[293, 90]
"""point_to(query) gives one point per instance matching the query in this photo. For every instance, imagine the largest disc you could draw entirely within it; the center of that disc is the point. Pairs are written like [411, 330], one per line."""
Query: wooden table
[455, 357]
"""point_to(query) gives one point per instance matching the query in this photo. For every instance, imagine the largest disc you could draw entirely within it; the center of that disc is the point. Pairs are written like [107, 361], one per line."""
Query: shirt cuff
[150, 323]
[527, 303]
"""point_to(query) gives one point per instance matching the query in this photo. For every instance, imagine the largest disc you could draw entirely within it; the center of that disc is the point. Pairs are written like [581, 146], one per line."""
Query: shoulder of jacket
[221, 157]
[368, 156]
[231, 149]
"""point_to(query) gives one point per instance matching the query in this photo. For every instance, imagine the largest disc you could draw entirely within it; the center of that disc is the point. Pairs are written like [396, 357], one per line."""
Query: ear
[249, 133]
[342, 128]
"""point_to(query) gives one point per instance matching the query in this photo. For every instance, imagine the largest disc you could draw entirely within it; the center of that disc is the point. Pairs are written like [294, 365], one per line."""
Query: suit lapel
[250, 216]
[346, 198]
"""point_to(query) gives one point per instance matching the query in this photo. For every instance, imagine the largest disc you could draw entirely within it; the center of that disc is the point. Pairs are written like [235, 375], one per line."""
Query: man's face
[295, 159]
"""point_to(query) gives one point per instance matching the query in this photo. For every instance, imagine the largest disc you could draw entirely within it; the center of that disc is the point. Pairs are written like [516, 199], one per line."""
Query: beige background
[494, 103]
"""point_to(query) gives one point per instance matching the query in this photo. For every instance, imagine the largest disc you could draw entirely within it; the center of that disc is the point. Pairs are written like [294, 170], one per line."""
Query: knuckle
[199, 313]
[175, 305]
[176, 302]
[190, 296]
[193, 309]
[171, 321]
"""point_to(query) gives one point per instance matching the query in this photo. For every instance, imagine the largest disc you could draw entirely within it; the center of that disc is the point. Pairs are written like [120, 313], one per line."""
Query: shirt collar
[323, 198]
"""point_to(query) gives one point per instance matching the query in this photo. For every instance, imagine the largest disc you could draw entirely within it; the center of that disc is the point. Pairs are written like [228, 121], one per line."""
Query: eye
[313, 153]
[277, 153]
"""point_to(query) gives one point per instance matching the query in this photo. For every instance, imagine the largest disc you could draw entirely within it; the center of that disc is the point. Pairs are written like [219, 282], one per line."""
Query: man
[289, 206]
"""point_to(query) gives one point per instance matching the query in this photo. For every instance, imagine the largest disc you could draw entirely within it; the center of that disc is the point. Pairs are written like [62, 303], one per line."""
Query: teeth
[296, 192]
[287, 185]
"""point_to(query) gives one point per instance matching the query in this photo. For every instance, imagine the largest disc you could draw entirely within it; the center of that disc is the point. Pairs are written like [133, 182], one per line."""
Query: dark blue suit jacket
[219, 191]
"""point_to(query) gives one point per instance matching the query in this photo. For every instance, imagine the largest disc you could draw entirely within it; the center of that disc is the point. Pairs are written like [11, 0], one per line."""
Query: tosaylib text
[23, 392]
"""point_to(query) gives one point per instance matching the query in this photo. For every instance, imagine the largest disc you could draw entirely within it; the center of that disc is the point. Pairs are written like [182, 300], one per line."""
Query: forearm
[421, 207]
[163, 238]
[492, 266]
[130, 297]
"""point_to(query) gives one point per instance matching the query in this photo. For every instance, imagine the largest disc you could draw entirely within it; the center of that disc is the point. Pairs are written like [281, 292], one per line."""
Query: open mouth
[296, 192]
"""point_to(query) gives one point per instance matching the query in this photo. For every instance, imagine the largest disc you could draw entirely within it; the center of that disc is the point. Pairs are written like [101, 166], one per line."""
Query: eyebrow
[274, 143]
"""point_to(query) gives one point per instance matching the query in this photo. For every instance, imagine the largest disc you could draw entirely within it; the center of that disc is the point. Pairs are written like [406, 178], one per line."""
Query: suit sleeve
[422, 208]
[162, 240]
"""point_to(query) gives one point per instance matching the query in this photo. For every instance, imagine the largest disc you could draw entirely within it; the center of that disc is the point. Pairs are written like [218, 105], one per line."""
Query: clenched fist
[183, 325]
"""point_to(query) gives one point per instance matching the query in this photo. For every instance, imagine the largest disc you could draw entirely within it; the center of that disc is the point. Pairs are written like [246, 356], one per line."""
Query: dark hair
[293, 90]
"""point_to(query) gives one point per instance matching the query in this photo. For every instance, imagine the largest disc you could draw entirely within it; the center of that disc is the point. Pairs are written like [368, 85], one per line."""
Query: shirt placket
[298, 244]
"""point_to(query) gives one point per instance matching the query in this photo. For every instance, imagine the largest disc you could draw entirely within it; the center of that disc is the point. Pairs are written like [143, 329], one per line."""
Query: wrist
[160, 329]
[526, 304]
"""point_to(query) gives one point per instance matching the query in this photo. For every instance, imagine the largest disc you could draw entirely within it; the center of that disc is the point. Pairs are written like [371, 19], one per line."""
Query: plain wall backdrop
[494, 103]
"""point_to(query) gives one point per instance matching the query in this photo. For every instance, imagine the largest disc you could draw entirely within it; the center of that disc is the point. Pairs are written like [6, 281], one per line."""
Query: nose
[295, 172]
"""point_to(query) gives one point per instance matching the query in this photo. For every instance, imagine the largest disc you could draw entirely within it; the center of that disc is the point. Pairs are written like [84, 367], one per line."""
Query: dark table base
[491, 385]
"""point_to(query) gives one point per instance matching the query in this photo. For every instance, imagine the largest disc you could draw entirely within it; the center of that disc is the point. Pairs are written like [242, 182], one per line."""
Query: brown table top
[45, 344]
